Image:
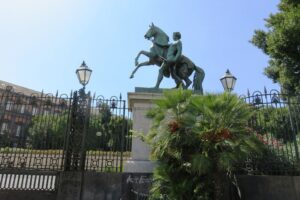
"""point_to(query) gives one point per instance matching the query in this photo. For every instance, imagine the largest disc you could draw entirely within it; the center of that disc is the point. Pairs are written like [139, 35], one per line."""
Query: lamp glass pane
[229, 81]
[224, 83]
[87, 76]
[233, 83]
[81, 76]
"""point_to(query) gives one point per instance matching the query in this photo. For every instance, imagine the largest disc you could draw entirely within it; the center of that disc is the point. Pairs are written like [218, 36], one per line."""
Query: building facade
[18, 106]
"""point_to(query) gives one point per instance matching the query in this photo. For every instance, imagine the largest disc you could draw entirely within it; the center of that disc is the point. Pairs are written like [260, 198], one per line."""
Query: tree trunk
[218, 185]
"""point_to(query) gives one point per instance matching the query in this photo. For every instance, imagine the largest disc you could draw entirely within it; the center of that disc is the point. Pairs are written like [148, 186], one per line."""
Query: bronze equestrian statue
[170, 59]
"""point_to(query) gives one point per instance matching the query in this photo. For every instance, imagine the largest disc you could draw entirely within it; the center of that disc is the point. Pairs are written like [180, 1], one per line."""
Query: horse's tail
[198, 79]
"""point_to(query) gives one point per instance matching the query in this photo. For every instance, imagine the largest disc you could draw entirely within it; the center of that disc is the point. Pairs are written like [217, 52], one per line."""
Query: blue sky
[43, 42]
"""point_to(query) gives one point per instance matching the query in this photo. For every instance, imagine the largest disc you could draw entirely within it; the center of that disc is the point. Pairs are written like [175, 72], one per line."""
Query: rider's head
[176, 36]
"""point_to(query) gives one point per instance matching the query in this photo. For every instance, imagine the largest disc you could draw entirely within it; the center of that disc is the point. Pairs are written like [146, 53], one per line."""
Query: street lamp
[76, 152]
[83, 74]
[228, 81]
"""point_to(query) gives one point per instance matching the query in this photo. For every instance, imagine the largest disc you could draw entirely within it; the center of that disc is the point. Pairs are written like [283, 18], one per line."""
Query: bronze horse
[157, 53]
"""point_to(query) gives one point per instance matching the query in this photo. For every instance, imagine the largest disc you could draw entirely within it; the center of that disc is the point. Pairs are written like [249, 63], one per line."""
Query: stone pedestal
[140, 103]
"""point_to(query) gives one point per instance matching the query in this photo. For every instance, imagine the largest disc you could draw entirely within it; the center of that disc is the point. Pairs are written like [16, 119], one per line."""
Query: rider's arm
[179, 50]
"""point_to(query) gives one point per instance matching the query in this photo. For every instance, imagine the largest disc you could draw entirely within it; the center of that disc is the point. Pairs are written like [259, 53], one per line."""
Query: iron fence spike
[265, 90]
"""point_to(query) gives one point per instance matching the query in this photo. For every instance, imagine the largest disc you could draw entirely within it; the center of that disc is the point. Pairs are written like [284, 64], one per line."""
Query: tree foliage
[105, 131]
[197, 140]
[276, 121]
[47, 131]
[108, 132]
[281, 42]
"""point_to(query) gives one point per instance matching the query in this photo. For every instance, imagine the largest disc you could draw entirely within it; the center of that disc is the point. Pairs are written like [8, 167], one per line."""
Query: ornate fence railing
[276, 122]
[44, 133]
[32, 130]
[108, 138]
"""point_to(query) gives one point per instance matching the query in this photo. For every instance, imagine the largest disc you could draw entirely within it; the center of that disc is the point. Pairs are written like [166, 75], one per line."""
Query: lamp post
[228, 81]
[80, 110]
[83, 74]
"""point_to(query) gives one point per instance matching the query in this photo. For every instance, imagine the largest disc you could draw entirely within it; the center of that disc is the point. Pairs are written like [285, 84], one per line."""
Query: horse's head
[158, 35]
[151, 31]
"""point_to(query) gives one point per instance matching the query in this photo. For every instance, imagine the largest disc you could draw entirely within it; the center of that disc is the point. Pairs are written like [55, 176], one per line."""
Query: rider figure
[173, 57]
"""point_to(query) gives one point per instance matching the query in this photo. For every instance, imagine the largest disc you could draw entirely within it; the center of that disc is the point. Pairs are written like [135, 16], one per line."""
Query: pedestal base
[140, 103]
[139, 166]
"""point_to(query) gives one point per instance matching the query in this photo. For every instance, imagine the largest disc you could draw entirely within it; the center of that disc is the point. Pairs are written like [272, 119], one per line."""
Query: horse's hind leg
[198, 79]
[159, 77]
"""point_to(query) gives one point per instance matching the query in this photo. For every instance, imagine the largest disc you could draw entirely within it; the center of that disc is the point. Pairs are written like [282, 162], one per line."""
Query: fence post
[72, 179]
[293, 130]
[75, 140]
[122, 137]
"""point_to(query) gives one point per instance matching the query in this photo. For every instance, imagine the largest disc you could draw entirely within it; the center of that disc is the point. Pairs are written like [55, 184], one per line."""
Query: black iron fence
[108, 138]
[44, 133]
[32, 130]
[276, 122]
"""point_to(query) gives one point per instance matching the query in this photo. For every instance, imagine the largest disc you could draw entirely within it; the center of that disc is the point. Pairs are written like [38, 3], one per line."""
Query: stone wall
[129, 186]
[270, 187]
[89, 186]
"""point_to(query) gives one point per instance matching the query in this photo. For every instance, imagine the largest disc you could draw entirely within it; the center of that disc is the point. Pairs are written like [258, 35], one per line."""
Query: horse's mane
[162, 38]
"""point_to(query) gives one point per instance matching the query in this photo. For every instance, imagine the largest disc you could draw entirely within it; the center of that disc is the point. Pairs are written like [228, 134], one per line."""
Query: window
[3, 128]
[46, 112]
[18, 132]
[34, 110]
[22, 109]
[9, 105]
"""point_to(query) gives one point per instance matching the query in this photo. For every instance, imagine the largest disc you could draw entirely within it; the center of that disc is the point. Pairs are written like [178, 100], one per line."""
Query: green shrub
[197, 141]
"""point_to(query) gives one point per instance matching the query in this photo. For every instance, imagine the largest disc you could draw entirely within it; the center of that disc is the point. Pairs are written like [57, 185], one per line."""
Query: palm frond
[201, 164]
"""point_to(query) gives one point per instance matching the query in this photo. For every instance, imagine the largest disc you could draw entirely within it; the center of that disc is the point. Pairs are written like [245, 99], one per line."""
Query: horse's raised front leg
[145, 53]
[138, 66]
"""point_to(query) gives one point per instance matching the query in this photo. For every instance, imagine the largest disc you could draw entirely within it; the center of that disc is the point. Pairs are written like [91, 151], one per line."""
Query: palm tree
[198, 140]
